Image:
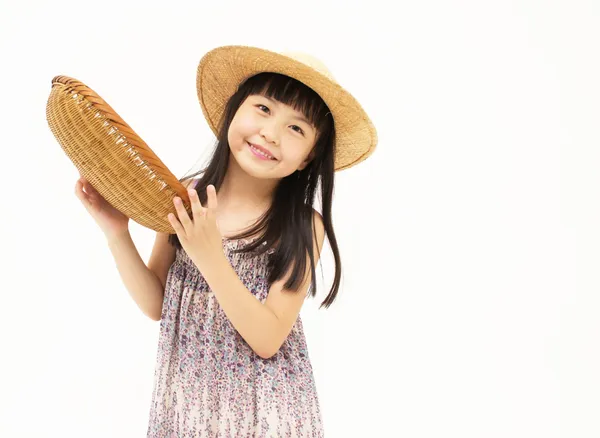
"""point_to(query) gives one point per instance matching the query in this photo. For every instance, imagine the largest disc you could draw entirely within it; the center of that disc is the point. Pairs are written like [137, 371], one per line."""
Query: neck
[242, 191]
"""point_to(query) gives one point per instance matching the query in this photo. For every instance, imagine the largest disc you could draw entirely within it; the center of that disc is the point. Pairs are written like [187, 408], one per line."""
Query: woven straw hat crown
[311, 61]
[222, 70]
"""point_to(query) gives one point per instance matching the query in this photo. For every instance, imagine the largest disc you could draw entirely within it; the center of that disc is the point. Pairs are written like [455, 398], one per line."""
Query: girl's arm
[143, 285]
[263, 326]
[146, 284]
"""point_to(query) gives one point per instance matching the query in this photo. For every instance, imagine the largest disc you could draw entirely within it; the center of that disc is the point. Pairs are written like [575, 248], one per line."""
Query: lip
[260, 148]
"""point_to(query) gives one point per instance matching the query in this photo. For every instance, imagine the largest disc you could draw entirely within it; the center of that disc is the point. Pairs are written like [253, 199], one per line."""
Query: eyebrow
[302, 119]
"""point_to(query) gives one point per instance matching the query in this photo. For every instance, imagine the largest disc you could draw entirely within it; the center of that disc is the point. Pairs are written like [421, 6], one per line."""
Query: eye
[266, 110]
[260, 105]
[299, 129]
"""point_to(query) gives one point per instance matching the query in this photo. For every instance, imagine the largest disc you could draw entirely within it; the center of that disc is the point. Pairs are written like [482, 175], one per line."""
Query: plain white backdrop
[470, 239]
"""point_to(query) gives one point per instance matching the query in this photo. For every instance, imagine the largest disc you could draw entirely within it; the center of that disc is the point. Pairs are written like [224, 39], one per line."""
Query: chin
[254, 169]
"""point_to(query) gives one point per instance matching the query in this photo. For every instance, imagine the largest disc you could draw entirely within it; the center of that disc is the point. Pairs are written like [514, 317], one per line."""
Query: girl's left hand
[199, 236]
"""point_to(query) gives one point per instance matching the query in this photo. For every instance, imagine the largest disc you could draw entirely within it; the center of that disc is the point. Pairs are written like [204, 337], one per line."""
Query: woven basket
[111, 156]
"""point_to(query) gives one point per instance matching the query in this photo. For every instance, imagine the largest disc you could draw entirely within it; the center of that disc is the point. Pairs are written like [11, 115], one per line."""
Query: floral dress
[208, 382]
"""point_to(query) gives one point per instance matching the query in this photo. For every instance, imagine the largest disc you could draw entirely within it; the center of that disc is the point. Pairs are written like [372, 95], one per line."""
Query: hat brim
[223, 69]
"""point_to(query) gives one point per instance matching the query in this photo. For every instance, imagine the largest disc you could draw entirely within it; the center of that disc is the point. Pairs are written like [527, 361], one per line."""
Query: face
[275, 129]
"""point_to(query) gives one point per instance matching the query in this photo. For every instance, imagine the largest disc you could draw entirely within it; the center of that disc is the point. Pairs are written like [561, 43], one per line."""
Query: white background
[469, 305]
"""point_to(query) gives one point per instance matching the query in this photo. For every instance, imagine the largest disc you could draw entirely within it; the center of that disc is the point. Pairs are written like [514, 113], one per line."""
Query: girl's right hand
[110, 220]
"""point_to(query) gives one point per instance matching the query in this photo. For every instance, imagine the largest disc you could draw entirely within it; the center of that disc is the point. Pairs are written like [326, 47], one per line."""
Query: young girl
[229, 283]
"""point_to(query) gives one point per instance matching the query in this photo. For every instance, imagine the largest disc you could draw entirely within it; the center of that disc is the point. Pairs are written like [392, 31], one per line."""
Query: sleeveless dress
[208, 382]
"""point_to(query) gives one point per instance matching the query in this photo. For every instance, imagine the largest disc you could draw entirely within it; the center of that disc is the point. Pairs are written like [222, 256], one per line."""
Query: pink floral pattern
[208, 382]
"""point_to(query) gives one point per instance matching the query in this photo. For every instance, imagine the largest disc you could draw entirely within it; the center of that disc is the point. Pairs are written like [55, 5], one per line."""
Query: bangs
[294, 93]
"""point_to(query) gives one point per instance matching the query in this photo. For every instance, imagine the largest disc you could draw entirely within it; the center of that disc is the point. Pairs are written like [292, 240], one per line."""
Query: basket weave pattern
[111, 156]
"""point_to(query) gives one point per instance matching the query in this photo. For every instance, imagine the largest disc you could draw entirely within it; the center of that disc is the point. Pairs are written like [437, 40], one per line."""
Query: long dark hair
[287, 226]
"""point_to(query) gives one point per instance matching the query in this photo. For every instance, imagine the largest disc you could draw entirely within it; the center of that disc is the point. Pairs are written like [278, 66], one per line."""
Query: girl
[229, 283]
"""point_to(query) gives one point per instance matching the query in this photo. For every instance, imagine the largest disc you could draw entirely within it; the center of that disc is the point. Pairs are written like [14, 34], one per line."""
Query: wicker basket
[111, 156]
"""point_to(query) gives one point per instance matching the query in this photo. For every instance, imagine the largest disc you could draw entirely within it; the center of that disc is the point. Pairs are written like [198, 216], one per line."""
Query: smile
[260, 154]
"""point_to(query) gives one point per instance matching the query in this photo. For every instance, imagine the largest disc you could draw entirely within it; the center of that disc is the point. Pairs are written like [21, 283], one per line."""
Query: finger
[89, 188]
[81, 195]
[175, 223]
[197, 210]
[182, 213]
[211, 195]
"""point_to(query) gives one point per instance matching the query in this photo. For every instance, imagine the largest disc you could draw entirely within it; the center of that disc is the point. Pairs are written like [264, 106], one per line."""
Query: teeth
[261, 152]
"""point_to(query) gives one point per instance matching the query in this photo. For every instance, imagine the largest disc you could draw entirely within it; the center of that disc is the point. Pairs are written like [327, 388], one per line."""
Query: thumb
[211, 195]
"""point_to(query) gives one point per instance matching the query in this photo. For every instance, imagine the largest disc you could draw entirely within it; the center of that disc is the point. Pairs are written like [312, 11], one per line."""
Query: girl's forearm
[254, 321]
[143, 285]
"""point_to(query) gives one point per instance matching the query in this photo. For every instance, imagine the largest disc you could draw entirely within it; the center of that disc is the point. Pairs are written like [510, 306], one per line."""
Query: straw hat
[223, 69]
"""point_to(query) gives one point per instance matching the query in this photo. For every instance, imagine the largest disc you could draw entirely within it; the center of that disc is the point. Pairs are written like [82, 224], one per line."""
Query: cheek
[243, 125]
[238, 130]
[296, 153]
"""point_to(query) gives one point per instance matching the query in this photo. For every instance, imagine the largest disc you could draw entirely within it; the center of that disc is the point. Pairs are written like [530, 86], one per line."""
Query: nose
[270, 132]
